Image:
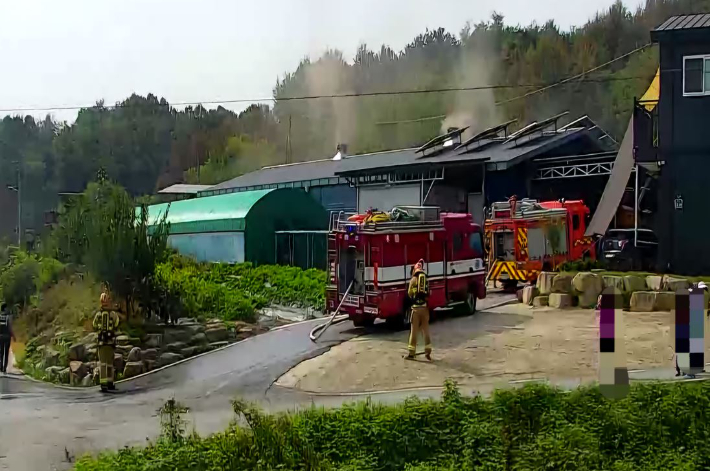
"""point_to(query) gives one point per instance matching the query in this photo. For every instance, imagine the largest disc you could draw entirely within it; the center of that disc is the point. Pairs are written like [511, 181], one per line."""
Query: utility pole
[18, 189]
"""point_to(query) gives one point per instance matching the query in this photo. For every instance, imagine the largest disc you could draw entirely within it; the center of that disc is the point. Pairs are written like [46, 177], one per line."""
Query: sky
[75, 52]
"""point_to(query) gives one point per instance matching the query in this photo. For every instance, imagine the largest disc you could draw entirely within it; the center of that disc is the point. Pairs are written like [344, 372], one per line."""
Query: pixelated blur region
[613, 373]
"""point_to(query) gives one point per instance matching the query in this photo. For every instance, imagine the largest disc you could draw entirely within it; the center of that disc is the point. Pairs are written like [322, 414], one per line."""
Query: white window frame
[704, 57]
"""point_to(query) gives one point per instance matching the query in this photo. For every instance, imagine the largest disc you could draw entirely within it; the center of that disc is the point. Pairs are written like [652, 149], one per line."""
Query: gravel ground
[497, 347]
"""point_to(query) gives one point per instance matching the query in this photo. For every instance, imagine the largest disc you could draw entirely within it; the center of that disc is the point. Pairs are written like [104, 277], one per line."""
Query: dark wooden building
[680, 144]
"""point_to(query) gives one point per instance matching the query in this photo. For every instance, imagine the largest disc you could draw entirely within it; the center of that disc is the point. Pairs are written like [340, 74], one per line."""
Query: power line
[349, 95]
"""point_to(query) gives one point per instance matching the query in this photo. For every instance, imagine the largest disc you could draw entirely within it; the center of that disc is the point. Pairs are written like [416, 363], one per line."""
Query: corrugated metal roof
[700, 20]
[223, 213]
[182, 189]
[288, 173]
[499, 155]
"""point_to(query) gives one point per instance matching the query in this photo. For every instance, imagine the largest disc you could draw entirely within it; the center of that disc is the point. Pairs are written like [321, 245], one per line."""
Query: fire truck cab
[525, 237]
[377, 259]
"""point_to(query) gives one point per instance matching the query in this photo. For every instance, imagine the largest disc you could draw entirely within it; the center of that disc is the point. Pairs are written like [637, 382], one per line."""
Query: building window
[696, 75]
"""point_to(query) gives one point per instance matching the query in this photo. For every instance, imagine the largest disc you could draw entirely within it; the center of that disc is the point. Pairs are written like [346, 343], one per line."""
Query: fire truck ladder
[319, 329]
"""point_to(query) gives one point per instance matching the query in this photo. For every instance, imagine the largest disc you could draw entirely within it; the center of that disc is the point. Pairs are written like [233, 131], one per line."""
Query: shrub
[25, 275]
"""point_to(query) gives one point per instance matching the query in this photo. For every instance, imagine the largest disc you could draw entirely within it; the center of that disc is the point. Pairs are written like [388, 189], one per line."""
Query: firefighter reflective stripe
[583, 241]
[523, 242]
[501, 268]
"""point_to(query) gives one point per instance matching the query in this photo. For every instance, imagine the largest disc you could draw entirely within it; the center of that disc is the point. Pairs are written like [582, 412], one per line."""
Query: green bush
[25, 275]
[655, 427]
[586, 264]
[236, 292]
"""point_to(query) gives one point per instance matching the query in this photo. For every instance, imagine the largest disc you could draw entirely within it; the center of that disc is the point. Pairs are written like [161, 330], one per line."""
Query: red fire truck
[370, 263]
[525, 237]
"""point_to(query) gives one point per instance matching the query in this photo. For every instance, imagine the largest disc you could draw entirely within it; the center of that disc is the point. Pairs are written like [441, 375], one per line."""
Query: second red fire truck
[370, 259]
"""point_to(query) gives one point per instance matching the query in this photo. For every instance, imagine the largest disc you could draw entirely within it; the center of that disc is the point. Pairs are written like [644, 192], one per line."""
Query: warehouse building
[246, 226]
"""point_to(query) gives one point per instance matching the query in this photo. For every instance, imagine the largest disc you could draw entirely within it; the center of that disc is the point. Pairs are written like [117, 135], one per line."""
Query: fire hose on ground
[334, 319]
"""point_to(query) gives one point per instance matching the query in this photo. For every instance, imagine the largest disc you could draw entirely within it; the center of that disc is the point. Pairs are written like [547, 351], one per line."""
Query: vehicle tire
[400, 322]
[471, 300]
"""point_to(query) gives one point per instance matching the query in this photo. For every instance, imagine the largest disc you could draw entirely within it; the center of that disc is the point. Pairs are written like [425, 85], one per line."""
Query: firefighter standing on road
[419, 294]
[6, 335]
[106, 322]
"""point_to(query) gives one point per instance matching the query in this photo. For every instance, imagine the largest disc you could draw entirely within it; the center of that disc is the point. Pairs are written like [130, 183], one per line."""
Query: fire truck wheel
[367, 322]
[471, 300]
[401, 322]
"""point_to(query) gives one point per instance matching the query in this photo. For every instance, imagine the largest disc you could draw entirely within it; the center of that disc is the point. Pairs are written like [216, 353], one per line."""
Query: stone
[87, 381]
[90, 338]
[153, 341]
[634, 283]
[562, 283]
[168, 358]
[77, 352]
[199, 339]
[64, 376]
[96, 375]
[50, 357]
[188, 352]
[52, 373]
[195, 329]
[123, 340]
[176, 334]
[249, 329]
[132, 368]
[560, 300]
[654, 282]
[92, 354]
[665, 301]
[175, 347]
[214, 345]
[118, 362]
[78, 368]
[149, 365]
[186, 320]
[519, 295]
[541, 301]
[544, 282]
[150, 354]
[589, 286]
[217, 333]
[134, 355]
[529, 293]
[675, 284]
[617, 282]
[643, 301]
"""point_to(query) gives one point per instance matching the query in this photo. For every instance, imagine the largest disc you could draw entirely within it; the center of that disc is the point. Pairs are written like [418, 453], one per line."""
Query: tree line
[144, 143]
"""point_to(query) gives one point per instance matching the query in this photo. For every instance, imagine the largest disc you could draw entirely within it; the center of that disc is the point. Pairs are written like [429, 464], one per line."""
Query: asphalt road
[45, 427]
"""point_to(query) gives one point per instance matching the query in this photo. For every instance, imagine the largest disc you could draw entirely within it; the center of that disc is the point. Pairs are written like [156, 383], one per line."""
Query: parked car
[621, 253]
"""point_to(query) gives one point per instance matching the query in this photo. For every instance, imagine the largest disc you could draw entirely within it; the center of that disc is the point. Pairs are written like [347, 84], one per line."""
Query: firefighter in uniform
[419, 294]
[6, 335]
[106, 322]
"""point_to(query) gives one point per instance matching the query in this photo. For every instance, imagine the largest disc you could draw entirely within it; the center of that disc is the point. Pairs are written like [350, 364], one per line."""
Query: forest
[144, 143]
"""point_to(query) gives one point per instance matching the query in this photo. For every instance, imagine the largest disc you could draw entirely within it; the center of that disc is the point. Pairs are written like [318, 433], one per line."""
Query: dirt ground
[495, 347]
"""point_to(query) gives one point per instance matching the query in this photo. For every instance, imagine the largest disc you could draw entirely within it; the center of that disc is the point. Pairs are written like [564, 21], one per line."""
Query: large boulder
[87, 381]
[124, 349]
[617, 282]
[134, 355]
[665, 301]
[199, 339]
[195, 329]
[50, 357]
[643, 301]
[118, 362]
[133, 368]
[77, 352]
[123, 340]
[91, 337]
[560, 300]
[675, 284]
[188, 352]
[150, 354]
[529, 293]
[654, 282]
[64, 376]
[544, 282]
[176, 334]
[175, 347]
[541, 301]
[78, 369]
[169, 358]
[217, 333]
[149, 365]
[153, 341]
[633, 283]
[562, 283]
[589, 286]
[51, 373]
[92, 352]
[215, 345]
